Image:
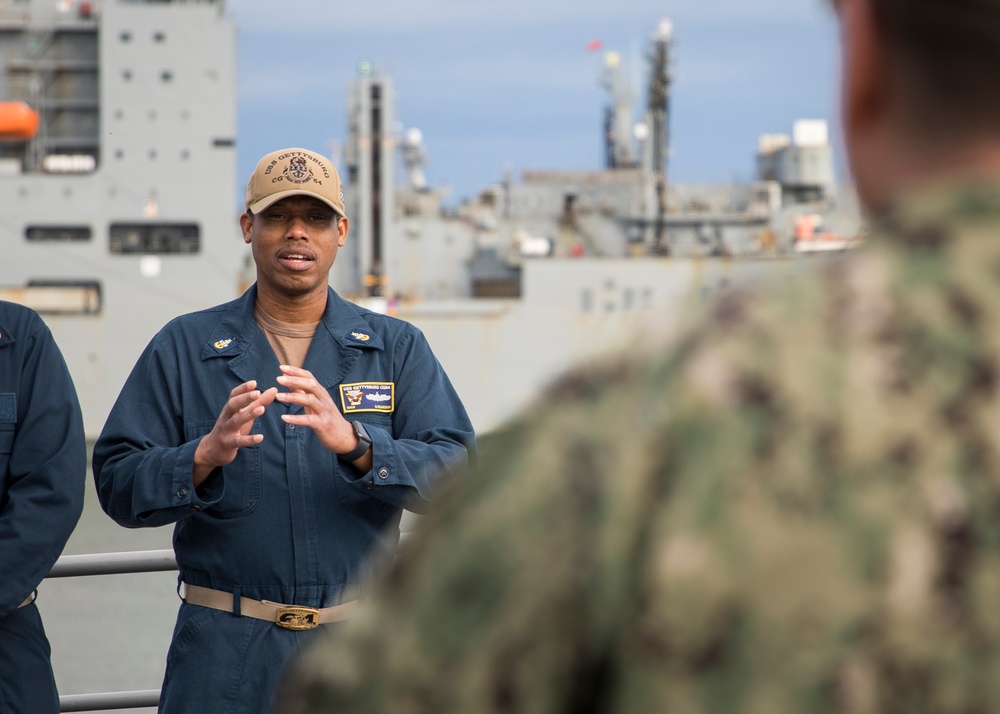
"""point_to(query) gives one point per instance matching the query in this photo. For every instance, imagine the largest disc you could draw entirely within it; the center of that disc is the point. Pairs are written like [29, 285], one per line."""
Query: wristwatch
[364, 443]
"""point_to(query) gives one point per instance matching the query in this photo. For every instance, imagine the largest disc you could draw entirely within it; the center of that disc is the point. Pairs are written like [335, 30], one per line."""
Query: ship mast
[618, 116]
[658, 106]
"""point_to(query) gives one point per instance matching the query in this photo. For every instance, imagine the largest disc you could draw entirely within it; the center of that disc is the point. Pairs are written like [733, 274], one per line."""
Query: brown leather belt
[291, 617]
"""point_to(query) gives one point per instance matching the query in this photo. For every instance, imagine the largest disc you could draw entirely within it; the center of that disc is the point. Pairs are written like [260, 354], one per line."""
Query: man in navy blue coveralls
[282, 433]
[43, 467]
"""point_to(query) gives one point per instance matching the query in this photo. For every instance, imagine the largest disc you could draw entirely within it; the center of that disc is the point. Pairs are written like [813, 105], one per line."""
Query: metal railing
[123, 563]
[141, 561]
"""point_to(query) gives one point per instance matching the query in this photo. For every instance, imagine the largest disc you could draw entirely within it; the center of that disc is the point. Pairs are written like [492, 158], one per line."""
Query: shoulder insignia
[360, 336]
[222, 344]
[368, 397]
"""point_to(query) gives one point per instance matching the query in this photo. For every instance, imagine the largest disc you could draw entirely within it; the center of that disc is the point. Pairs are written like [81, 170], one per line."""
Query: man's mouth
[296, 260]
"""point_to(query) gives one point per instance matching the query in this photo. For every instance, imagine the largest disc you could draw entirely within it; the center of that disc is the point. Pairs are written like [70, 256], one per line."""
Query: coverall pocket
[242, 478]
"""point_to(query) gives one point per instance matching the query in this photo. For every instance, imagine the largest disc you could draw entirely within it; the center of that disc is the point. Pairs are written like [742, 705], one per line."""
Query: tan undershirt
[289, 342]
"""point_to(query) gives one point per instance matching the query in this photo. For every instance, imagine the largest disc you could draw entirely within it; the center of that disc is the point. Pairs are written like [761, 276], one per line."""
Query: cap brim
[275, 197]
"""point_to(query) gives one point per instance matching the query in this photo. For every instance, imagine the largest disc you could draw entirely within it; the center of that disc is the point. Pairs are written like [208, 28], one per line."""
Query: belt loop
[236, 602]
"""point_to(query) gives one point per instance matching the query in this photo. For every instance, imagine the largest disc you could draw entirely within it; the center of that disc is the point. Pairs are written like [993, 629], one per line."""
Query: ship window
[166, 76]
[57, 297]
[57, 233]
[159, 37]
[155, 238]
[125, 37]
[127, 75]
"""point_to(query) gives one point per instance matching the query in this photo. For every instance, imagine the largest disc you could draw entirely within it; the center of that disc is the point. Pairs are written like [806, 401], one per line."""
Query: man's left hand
[320, 413]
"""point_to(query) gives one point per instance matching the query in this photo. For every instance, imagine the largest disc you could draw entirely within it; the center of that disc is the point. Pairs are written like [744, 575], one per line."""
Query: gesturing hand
[320, 413]
[232, 429]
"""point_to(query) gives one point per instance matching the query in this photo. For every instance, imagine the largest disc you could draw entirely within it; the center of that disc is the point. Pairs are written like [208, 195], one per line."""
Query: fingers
[267, 397]
[232, 429]
[245, 387]
[304, 390]
[246, 399]
[297, 379]
[245, 404]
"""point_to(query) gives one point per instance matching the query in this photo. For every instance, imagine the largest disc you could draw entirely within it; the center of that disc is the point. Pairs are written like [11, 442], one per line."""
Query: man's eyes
[314, 218]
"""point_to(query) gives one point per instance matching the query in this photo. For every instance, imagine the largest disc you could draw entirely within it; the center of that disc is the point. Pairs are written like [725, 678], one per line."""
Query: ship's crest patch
[298, 170]
[368, 397]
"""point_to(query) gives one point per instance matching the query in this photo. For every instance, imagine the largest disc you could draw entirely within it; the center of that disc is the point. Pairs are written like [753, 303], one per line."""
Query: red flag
[594, 45]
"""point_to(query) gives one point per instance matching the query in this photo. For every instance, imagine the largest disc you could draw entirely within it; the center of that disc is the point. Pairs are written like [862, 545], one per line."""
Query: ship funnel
[18, 121]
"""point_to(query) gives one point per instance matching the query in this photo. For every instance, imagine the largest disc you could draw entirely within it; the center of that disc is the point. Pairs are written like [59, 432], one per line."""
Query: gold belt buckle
[297, 618]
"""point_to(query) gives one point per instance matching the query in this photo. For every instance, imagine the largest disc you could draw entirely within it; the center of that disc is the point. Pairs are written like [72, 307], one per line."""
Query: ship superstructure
[553, 268]
[117, 178]
[118, 200]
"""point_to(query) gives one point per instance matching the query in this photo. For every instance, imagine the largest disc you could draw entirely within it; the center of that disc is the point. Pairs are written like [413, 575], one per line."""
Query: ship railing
[140, 561]
[120, 563]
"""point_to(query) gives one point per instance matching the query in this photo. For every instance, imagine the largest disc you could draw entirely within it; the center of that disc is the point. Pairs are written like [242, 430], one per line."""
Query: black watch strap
[364, 443]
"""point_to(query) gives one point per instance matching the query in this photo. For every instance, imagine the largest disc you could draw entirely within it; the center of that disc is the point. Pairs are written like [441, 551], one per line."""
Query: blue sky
[494, 85]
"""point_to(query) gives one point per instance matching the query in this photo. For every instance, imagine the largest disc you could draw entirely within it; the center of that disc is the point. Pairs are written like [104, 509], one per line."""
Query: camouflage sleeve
[749, 523]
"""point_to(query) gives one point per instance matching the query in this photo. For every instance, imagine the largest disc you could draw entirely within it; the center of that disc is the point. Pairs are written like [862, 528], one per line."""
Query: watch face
[361, 432]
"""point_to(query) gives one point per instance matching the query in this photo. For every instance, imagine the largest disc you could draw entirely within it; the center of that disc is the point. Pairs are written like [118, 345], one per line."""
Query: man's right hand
[232, 429]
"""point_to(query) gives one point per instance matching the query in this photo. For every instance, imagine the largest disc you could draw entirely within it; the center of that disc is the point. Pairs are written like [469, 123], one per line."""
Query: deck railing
[142, 561]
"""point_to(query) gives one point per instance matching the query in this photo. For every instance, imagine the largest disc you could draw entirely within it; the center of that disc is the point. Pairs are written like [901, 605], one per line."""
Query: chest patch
[368, 397]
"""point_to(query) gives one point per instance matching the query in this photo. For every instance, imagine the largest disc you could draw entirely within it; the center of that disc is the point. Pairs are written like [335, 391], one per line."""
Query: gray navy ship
[117, 213]
[118, 177]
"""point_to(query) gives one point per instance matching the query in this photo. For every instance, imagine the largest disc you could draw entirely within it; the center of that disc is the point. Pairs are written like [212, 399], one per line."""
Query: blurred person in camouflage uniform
[795, 508]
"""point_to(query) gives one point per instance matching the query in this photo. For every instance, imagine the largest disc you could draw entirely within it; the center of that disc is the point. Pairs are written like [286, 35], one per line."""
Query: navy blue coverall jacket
[287, 521]
[43, 471]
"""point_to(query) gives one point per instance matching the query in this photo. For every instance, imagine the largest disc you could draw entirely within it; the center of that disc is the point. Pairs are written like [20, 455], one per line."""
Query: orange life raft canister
[18, 121]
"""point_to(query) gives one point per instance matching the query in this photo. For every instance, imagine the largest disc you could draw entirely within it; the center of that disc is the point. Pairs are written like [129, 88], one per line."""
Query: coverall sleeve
[431, 435]
[143, 461]
[47, 469]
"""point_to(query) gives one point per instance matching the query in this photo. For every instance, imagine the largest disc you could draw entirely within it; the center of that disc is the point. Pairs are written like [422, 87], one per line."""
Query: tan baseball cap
[294, 172]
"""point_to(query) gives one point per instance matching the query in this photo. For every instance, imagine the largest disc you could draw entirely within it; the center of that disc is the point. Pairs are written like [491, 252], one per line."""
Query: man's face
[294, 243]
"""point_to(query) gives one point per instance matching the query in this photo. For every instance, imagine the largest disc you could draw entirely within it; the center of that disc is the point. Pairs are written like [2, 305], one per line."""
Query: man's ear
[865, 67]
[245, 223]
[342, 226]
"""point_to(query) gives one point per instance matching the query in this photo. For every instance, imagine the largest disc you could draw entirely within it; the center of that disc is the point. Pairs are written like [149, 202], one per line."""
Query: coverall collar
[237, 337]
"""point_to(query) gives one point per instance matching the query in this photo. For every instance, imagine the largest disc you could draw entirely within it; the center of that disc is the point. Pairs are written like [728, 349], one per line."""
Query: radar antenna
[414, 156]
[658, 105]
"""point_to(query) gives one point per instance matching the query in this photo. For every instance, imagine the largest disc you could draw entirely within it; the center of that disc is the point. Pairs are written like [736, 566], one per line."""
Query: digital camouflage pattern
[796, 508]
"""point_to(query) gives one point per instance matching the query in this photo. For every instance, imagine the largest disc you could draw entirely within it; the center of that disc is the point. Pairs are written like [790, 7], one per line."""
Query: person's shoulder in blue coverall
[282, 434]
[43, 467]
